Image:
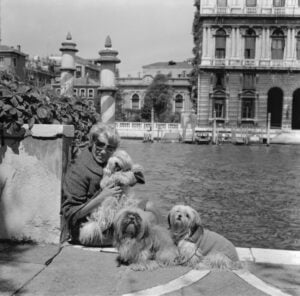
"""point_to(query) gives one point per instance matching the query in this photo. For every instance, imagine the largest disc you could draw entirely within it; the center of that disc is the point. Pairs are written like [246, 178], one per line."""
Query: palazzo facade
[249, 63]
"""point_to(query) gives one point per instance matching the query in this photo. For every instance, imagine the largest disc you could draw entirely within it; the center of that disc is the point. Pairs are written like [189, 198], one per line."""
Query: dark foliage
[158, 96]
[22, 104]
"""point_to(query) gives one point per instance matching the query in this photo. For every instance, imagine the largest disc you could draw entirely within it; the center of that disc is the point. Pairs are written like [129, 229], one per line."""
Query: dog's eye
[187, 215]
[117, 167]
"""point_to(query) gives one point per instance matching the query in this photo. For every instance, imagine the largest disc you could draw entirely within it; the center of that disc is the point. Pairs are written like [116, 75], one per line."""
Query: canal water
[250, 194]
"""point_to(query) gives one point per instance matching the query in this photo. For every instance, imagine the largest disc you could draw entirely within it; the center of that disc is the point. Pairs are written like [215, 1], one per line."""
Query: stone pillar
[108, 60]
[205, 42]
[67, 69]
[268, 44]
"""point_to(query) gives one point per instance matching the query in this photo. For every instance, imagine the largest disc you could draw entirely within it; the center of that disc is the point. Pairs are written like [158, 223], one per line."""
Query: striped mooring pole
[68, 50]
[108, 60]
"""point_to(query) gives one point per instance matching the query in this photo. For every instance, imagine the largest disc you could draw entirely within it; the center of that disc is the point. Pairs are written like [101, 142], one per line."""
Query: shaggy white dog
[200, 247]
[119, 171]
[142, 244]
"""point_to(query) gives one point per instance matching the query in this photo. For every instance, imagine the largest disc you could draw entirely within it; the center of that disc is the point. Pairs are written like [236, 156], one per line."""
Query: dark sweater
[81, 184]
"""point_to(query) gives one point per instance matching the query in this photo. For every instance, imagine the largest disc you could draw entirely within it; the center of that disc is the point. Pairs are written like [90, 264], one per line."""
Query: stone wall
[31, 174]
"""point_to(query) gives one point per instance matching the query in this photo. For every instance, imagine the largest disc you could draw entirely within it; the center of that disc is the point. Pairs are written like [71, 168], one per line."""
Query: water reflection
[250, 194]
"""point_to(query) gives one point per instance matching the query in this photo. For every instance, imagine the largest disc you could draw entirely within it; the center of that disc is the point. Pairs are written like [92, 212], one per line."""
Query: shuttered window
[222, 3]
[278, 3]
[248, 108]
[250, 3]
[220, 44]
[250, 38]
[278, 43]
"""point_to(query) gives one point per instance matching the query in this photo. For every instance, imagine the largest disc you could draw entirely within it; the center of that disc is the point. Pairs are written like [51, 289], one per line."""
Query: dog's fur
[199, 247]
[142, 244]
[120, 172]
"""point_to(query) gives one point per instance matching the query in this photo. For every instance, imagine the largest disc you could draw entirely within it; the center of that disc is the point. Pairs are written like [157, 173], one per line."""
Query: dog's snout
[131, 217]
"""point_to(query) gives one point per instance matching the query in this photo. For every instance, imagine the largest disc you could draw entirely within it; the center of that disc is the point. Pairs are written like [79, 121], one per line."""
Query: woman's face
[102, 149]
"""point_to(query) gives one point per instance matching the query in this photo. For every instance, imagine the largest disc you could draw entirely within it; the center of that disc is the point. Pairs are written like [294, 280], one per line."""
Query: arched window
[250, 44]
[82, 92]
[90, 93]
[278, 3]
[220, 44]
[298, 45]
[277, 45]
[221, 3]
[178, 103]
[135, 102]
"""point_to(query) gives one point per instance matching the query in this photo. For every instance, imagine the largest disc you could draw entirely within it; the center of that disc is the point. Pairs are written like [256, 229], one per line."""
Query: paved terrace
[39, 270]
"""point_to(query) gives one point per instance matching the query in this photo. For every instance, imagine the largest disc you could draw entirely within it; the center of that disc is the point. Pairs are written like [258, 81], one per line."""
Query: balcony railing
[262, 63]
[251, 10]
[260, 10]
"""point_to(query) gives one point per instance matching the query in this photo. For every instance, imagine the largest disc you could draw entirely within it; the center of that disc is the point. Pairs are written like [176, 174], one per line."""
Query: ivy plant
[23, 104]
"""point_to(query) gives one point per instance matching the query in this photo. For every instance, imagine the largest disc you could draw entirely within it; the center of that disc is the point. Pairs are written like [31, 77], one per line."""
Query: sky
[142, 31]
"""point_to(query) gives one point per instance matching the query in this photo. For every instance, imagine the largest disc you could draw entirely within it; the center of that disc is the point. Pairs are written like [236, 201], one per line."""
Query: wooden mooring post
[268, 128]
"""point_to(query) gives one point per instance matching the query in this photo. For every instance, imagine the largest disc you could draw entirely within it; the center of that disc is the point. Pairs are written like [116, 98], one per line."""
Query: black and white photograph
[150, 147]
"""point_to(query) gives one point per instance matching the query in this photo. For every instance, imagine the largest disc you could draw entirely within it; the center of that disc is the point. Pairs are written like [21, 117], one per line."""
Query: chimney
[19, 47]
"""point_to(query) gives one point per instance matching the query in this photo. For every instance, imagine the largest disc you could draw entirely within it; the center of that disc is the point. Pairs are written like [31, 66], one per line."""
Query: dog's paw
[142, 266]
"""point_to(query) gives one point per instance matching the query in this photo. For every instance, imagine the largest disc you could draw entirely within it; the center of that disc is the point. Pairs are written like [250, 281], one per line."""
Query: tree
[158, 95]
[120, 115]
[197, 51]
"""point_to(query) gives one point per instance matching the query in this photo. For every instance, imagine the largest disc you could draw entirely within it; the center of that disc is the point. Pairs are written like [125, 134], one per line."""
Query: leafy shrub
[22, 104]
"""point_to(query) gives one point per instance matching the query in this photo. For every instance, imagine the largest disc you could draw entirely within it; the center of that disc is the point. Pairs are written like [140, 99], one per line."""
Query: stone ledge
[272, 256]
[51, 130]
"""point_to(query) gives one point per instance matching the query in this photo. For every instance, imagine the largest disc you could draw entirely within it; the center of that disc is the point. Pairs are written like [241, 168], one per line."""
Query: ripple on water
[250, 194]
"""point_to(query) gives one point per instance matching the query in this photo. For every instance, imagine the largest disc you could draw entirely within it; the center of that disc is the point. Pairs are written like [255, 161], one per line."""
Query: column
[67, 68]
[205, 42]
[230, 44]
[287, 50]
[211, 44]
[268, 44]
[240, 45]
[262, 42]
[108, 60]
[293, 46]
[233, 42]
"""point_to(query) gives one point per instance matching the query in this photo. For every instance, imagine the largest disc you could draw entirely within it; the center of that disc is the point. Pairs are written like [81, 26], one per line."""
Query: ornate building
[86, 84]
[134, 89]
[249, 62]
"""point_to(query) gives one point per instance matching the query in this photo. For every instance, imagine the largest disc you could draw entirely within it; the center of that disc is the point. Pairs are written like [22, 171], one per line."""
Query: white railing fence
[145, 126]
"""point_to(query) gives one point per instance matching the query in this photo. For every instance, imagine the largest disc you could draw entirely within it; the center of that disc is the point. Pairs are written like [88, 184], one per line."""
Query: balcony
[258, 10]
[250, 63]
[219, 62]
[251, 10]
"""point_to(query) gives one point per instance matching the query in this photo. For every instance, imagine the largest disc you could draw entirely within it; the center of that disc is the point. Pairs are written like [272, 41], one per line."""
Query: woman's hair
[107, 130]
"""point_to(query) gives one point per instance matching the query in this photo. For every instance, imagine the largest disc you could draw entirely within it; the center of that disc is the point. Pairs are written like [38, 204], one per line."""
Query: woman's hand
[110, 190]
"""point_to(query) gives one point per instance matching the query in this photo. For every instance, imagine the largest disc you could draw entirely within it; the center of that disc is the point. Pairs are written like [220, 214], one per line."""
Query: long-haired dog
[141, 244]
[200, 247]
[119, 171]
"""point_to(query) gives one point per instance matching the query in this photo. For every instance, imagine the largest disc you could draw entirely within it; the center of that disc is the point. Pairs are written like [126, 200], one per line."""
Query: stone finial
[108, 42]
[69, 36]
